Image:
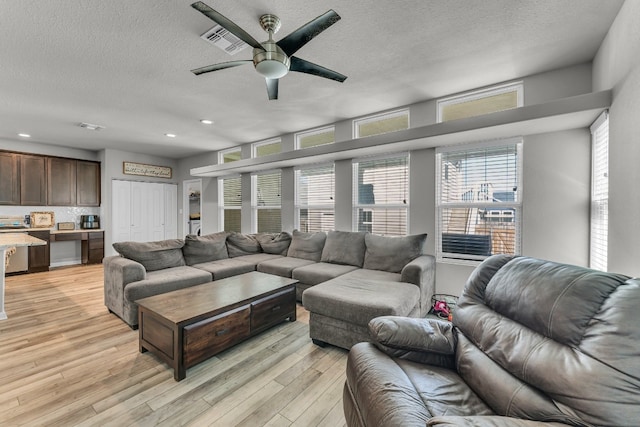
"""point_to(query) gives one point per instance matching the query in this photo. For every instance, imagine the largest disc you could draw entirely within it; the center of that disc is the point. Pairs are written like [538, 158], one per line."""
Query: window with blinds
[599, 193]
[478, 201]
[315, 205]
[266, 202]
[315, 137]
[266, 148]
[381, 123]
[230, 203]
[230, 155]
[485, 101]
[381, 195]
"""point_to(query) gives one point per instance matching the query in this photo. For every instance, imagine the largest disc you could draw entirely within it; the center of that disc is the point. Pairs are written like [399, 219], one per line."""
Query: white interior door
[120, 211]
[155, 213]
[139, 212]
[170, 211]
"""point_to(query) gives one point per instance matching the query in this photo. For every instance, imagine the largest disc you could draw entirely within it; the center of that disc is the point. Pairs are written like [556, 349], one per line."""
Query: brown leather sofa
[532, 343]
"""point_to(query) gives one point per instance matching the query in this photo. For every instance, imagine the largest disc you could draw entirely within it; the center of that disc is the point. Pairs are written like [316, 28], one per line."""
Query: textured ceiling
[125, 64]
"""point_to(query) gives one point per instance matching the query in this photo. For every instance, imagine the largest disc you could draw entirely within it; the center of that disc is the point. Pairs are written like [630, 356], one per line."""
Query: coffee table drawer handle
[222, 332]
[276, 308]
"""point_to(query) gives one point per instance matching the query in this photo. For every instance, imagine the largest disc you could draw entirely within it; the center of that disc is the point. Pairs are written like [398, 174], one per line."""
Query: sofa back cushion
[153, 255]
[555, 341]
[307, 245]
[207, 248]
[392, 253]
[344, 247]
[274, 243]
[239, 244]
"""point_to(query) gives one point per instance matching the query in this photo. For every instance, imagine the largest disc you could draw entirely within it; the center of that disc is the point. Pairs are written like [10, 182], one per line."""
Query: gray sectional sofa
[367, 267]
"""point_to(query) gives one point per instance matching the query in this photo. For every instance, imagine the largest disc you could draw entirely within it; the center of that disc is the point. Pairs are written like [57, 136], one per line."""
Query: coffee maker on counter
[89, 221]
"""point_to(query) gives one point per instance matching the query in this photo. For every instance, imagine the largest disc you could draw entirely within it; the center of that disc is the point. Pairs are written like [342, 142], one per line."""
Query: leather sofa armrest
[488, 421]
[427, 341]
[422, 272]
[118, 273]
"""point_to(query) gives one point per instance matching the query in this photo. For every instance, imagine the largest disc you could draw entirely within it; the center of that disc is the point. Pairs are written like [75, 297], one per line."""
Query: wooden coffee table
[187, 326]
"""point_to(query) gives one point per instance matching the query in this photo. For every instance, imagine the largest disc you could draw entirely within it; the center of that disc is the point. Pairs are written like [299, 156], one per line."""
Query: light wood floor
[65, 361]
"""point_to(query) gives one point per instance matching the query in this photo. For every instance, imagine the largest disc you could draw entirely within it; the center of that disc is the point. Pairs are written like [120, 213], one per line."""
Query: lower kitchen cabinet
[39, 256]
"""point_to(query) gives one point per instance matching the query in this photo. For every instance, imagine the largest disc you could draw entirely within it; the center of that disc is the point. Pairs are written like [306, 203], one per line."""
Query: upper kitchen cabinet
[33, 180]
[87, 183]
[9, 179]
[61, 182]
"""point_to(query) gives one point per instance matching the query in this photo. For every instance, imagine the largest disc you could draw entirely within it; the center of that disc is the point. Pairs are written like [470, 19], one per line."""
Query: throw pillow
[199, 249]
[307, 245]
[344, 247]
[392, 253]
[153, 255]
[239, 244]
[274, 243]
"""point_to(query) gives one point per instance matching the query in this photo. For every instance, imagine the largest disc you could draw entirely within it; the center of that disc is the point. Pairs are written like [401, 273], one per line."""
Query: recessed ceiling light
[170, 135]
[206, 122]
[24, 135]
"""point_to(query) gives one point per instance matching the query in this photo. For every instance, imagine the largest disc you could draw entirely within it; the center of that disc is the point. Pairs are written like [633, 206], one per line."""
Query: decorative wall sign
[42, 219]
[130, 168]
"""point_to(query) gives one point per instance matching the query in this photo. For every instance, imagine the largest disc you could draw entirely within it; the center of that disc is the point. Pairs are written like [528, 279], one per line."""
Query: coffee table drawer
[273, 309]
[210, 336]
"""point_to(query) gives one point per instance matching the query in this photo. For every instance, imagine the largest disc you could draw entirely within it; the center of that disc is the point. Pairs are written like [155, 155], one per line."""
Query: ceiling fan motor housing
[271, 62]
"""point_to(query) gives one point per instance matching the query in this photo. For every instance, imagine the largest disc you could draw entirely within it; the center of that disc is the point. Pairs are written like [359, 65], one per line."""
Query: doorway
[192, 206]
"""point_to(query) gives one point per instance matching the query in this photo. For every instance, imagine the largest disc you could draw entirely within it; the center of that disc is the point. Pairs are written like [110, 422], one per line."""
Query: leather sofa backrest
[543, 340]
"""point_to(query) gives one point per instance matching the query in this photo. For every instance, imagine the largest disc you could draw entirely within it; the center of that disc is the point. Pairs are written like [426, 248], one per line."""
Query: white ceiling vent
[220, 37]
[89, 126]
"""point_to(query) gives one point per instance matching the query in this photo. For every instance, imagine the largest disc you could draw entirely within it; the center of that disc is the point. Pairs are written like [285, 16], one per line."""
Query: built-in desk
[92, 243]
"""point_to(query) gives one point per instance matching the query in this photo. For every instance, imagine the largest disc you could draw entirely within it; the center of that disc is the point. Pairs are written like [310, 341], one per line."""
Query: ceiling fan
[272, 59]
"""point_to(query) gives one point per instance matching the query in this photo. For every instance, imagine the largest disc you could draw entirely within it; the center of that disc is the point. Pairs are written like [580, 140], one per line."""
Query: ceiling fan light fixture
[272, 69]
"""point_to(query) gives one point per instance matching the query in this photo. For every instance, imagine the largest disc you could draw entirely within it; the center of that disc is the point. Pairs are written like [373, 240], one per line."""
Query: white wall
[617, 66]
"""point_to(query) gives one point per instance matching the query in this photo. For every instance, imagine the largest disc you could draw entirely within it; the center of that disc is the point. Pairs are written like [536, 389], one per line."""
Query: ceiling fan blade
[303, 66]
[221, 66]
[272, 88]
[294, 41]
[227, 24]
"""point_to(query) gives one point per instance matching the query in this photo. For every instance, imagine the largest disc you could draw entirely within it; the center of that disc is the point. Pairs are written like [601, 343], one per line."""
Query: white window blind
[478, 201]
[230, 203]
[599, 193]
[315, 137]
[381, 123]
[266, 202]
[381, 195]
[315, 205]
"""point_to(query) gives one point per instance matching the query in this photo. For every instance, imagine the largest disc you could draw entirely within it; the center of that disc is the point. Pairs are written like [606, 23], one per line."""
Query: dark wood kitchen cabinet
[9, 178]
[33, 180]
[39, 256]
[61, 182]
[87, 183]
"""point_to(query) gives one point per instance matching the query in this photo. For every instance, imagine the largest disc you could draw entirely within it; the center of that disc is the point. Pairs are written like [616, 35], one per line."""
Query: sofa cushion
[313, 274]
[364, 274]
[344, 247]
[283, 266]
[239, 244]
[307, 245]
[153, 255]
[358, 301]
[274, 243]
[199, 249]
[226, 268]
[169, 279]
[256, 259]
[392, 253]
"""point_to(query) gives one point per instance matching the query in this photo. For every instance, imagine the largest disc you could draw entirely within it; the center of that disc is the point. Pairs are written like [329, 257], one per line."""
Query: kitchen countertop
[52, 230]
[8, 240]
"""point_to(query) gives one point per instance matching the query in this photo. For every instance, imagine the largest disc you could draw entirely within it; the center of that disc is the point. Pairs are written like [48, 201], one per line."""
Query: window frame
[356, 205]
[324, 129]
[256, 145]
[516, 205]
[221, 205]
[255, 207]
[299, 206]
[480, 94]
[379, 117]
[222, 153]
